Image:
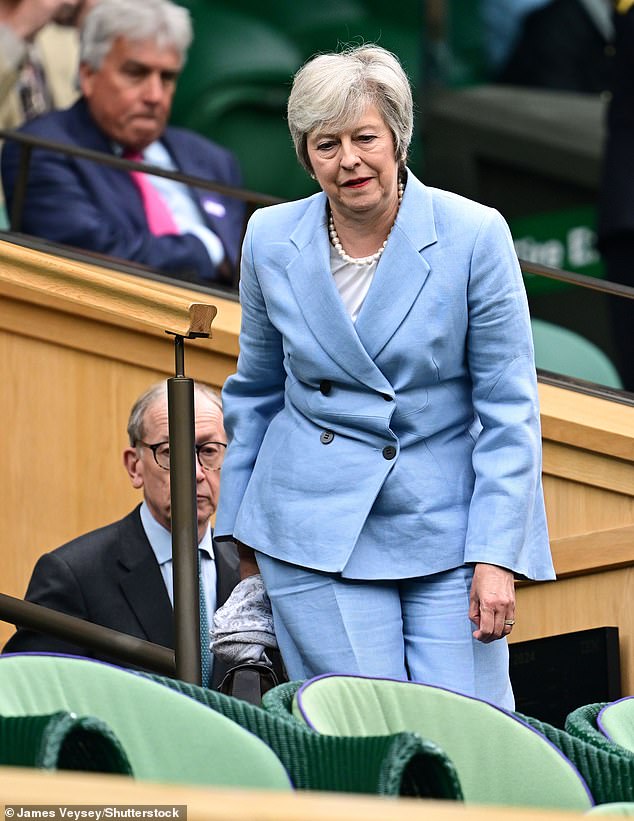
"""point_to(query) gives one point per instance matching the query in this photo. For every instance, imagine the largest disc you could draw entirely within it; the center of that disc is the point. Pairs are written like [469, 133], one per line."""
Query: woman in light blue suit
[385, 451]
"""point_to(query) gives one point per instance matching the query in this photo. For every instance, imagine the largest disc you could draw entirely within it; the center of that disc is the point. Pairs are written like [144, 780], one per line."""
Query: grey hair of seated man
[160, 21]
[333, 90]
[156, 392]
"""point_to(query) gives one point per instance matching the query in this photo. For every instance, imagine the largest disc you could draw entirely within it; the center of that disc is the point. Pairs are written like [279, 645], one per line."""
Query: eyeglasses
[209, 454]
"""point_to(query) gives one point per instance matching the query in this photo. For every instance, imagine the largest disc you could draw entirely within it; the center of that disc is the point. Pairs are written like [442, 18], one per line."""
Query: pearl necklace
[336, 242]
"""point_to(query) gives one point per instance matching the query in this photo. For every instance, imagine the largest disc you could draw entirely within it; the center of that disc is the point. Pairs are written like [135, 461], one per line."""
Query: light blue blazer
[402, 445]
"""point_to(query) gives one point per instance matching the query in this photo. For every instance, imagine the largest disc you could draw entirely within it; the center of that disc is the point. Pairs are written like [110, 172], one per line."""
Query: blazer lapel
[401, 272]
[143, 586]
[320, 303]
[227, 569]
[123, 191]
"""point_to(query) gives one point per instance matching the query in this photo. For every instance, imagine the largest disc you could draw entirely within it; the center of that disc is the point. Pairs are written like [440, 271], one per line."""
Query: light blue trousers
[416, 629]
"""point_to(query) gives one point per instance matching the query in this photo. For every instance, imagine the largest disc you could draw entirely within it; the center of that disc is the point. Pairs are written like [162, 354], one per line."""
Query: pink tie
[158, 215]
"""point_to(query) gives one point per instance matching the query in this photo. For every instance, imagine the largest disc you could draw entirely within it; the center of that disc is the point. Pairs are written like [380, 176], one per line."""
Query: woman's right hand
[248, 563]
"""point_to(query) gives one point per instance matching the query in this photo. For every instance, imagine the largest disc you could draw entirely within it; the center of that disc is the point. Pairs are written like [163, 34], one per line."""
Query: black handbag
[251, 679]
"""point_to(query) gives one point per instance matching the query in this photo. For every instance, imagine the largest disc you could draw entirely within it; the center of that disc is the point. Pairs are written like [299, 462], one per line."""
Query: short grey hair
[333, 90]
[161, 21]
[158, 393]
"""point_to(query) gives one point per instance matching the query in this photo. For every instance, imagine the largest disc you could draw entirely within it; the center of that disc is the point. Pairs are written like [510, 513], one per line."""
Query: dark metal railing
[77, 631]
[583, 281]
[28, 142]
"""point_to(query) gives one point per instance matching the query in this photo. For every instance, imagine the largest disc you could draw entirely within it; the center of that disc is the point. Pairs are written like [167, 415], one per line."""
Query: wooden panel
[574, 508]
[149, 348]
[602, 599]
[586, 467]
[592, 552]
[587, 422]
[65, 416]
[70, 369]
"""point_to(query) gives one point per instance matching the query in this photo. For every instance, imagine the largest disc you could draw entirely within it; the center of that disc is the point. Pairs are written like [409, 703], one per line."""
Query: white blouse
[352, 281]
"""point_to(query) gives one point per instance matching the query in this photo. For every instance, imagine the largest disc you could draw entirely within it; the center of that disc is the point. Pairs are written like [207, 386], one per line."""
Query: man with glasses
[120, 576]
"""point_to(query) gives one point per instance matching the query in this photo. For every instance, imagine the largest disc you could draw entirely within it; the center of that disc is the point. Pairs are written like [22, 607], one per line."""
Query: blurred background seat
[234, 90]
[566, 352]
[239, 70]
[232, 47]
[251, 120]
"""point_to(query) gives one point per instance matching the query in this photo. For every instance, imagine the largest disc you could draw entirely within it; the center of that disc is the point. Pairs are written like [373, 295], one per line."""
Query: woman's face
[357, 168]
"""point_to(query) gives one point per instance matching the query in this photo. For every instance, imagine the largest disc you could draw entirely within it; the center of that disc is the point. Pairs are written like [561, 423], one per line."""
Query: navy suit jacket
[111, 577]
[616, 191]
[92, 206]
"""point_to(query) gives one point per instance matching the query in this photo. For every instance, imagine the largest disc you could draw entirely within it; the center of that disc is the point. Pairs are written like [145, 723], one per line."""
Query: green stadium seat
[61, 741]
[294, 18]
[229, 48]
[500, 759]
[167, 737]
[614, 808]
[616, 722]
[397, 764]
[252, 122]
[562, 351]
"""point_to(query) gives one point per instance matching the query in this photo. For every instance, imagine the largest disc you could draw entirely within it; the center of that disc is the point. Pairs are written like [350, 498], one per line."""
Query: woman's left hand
[492, 602]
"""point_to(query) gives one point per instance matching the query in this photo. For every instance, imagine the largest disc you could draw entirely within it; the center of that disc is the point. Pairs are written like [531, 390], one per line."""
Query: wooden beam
[98, 292]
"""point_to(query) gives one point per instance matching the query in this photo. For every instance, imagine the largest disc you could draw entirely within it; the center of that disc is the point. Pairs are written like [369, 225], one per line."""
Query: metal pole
[119, 646]
[182, 438]
[19, 193]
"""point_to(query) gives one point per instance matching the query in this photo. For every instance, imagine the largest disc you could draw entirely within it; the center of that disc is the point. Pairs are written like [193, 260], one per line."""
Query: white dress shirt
[177, 197]
[160, 541]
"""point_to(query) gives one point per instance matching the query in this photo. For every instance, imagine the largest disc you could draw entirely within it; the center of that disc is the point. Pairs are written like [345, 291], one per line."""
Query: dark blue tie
[205, 653]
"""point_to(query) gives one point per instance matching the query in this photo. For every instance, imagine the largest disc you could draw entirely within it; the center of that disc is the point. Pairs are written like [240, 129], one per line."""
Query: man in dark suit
[120, 576]
[564, 45]
[615, 207]
[131, 56]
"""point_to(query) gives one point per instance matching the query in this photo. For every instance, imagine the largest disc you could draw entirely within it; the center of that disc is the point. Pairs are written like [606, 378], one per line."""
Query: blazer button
[326, 437]
[325, 386]
[389, 452]
[387, 397]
